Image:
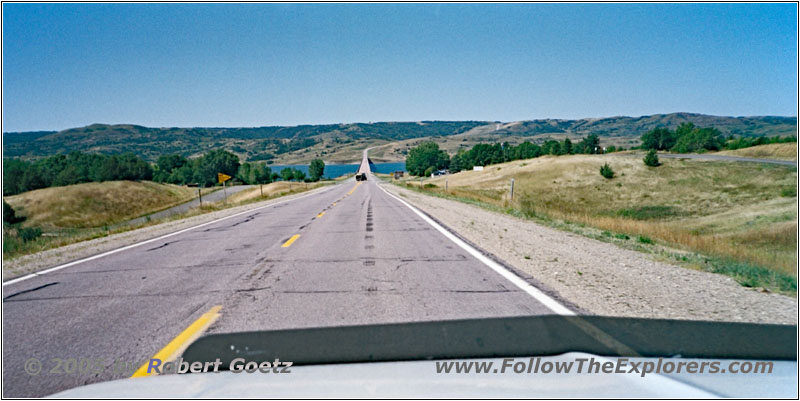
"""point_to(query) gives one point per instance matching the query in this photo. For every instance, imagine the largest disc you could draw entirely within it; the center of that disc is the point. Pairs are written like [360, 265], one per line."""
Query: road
[215, 196]
[352, 254]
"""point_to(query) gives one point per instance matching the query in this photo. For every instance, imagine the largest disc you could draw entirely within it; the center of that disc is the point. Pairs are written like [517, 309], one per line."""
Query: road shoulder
[602, 278]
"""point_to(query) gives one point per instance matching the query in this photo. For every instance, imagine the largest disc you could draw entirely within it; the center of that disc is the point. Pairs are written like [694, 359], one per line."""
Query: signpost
[222, 178]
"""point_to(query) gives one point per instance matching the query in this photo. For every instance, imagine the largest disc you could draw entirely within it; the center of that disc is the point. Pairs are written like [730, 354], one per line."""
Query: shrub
[789, 192]
[645, 240]
[651, 159]
[9, 215]
[29, 233]
[606, 171]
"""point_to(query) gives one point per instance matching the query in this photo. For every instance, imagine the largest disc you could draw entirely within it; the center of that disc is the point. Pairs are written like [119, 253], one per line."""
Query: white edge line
[540, 296]
[124, 248]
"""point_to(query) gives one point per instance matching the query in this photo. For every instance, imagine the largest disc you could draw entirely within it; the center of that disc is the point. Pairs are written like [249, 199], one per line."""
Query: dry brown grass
[743, 211]
[96, 204]
[271, 190]
[779, 151]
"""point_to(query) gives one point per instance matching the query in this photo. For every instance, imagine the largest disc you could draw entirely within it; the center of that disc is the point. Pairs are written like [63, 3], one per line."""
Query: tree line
[427, 157]
[176, 169]
[77, 167]
[688, 138]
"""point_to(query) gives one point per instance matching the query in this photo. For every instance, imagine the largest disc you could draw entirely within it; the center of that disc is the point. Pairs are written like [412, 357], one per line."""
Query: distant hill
[635, 126]
[274, 143]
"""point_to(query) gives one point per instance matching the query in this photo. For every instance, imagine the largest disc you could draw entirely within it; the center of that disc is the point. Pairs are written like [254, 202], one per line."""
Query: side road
[28, 264]
[602, 278]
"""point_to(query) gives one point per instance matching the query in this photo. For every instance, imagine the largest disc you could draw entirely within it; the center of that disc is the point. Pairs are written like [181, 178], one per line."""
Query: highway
[352, 254]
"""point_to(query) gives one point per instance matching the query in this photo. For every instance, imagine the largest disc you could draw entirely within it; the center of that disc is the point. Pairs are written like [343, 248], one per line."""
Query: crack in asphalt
[29, 290]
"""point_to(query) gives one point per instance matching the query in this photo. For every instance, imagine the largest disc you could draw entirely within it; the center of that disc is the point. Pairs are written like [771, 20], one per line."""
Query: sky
[245, 65]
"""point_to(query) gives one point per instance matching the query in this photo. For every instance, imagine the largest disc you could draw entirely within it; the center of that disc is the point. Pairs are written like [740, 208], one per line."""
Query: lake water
[338, 170]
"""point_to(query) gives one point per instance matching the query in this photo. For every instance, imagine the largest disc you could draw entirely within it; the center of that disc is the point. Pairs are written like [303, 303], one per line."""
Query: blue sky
[69, 65]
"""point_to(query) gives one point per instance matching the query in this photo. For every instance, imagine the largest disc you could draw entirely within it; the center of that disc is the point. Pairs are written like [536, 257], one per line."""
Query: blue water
[338, 170]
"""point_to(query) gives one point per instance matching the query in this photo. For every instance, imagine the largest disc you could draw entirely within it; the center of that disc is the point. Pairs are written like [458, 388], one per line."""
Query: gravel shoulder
[57, 256]
[601, 278]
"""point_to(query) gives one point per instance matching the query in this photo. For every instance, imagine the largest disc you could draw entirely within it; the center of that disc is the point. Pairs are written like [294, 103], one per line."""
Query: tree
[651, 159]
[287, 174]
[697, 140]
[210, 164]
[661, 138]
[316, 169]
[263, 174]
[566, 147]
[606, 171]
[298, 175]
[428, 155]
[590, 145]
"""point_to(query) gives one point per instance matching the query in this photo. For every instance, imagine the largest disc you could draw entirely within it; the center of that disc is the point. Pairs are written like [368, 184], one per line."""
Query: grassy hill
[744, 214]
[95, 204]
[342, 143]
[778, 151]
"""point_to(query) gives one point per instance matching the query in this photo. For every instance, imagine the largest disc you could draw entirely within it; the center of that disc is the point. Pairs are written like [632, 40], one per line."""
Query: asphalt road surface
[352, 254]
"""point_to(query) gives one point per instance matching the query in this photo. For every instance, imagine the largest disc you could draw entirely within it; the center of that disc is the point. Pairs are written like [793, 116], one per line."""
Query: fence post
[262, 190]
[512, 189]
[445, 185]
[200, 195]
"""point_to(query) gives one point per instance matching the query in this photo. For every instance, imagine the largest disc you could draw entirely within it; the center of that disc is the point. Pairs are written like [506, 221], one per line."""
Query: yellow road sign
[223, 177]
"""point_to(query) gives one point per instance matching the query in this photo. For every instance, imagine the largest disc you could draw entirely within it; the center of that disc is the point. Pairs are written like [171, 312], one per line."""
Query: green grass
[649, 212]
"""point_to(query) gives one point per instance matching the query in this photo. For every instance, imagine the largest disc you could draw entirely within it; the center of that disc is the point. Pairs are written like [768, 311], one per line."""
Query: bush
[9, 215]
[651, 159]
[606, 171]
[29, 233]
[428, 172]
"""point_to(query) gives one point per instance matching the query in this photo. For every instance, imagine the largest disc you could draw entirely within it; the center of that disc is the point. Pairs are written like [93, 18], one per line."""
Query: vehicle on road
[361, 177]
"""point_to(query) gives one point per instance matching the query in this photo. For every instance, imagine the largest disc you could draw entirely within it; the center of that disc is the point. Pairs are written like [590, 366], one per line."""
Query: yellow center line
[179, 343]
[354, 188]
[289, 242]
[321, 214]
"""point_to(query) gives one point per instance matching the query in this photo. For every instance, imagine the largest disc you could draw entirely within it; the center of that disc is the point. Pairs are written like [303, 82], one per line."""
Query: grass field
[743, 213]
[779, 151]
[272, 190]
[96, 204]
